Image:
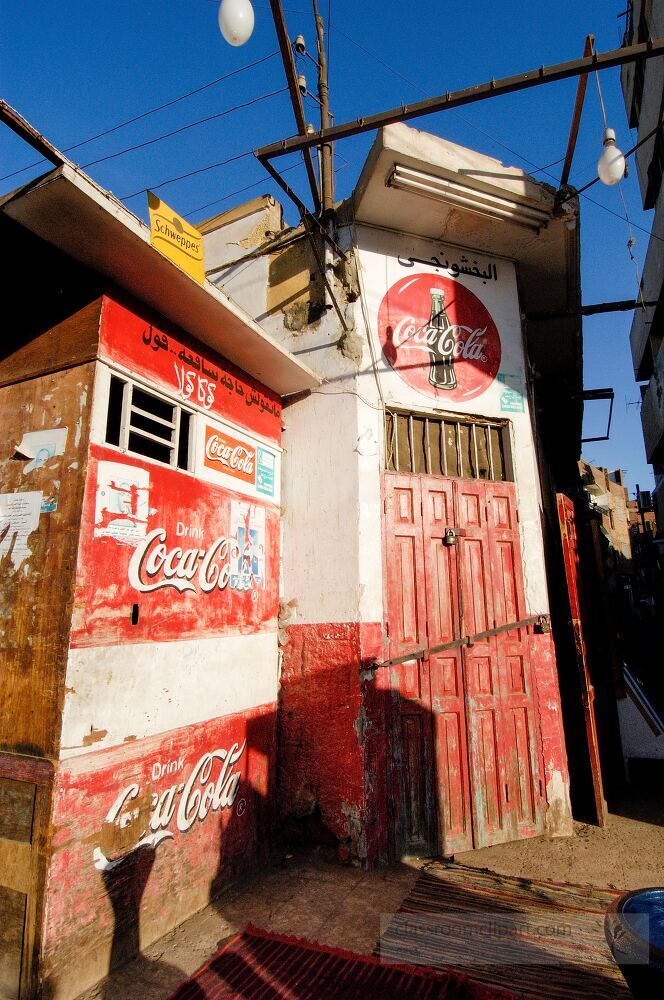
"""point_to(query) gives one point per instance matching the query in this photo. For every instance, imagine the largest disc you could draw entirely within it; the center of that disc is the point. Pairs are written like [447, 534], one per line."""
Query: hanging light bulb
[611, 164]
[236, 21]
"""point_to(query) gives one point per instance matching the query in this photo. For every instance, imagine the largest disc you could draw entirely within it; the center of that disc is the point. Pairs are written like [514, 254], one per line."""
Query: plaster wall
[118, 694]
[332, 583]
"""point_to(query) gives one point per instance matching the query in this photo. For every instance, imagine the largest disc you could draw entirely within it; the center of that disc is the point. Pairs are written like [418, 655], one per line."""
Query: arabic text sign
[511, 399]
[184, 368]
[176, 239]
[464, 265]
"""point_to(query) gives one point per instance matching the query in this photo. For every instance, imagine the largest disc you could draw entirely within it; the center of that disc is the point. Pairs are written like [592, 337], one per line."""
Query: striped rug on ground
[538, 939]
[260, 965]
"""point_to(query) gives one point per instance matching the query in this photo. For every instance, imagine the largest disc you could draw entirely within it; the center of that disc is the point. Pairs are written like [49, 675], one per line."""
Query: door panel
[446, 669]
[524, 786]
[412, 782]
[567, 524]
[491, 823]
[414, 769]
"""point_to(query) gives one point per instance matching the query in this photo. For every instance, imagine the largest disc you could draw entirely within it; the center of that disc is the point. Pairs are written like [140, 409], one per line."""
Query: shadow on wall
[334, 755]
[125, 885]
[244, 835]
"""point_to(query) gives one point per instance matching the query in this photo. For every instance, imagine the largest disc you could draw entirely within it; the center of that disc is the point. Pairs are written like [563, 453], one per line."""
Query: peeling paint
[94, 736]
[558, 818]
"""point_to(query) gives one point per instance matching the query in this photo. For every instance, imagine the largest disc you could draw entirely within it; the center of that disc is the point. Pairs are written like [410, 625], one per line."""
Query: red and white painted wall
[165, 783]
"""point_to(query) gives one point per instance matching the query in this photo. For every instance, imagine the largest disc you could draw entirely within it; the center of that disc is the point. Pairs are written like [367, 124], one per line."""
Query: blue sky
[79, 68]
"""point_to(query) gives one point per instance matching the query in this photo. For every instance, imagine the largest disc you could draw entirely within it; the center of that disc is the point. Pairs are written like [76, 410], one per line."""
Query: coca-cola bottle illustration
[441, 343]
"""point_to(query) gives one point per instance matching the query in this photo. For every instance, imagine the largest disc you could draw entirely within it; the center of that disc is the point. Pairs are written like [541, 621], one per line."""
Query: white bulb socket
[611, 164]
[236, 21]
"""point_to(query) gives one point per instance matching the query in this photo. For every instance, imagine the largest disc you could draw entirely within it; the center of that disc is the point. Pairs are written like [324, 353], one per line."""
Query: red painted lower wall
[334, 733]
[331, 733]
[148, 833]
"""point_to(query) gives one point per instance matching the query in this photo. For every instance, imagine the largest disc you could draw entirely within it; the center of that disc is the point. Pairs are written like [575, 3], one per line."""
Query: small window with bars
[442, 446]
[146, 424]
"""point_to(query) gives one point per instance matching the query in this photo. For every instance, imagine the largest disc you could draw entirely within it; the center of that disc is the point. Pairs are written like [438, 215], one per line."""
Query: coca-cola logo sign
[212, 786]
[236, 560]
[226, 454]
[438, 337]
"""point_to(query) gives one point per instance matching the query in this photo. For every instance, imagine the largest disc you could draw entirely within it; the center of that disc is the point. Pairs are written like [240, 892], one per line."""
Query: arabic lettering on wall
[182, 366]
[198, 379]
[454, 268]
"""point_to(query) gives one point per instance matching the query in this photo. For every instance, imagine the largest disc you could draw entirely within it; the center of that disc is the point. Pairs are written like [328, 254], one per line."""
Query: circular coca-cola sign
[438, 337]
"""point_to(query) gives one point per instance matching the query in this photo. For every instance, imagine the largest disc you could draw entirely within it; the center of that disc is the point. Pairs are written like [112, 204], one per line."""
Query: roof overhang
[68, 210]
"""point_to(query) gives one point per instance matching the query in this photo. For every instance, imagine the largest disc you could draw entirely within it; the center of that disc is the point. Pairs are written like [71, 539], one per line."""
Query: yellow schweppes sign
[175, 238]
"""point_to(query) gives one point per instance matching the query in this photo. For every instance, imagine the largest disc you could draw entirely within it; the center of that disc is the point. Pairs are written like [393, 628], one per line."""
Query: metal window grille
[146, 424]
[444, 446]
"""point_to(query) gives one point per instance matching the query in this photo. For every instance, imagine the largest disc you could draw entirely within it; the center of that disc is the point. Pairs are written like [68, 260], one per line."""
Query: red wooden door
[567, 524]
[525, 787]
[414, 822]
[465, 720]
[485, 724]
[448, 706]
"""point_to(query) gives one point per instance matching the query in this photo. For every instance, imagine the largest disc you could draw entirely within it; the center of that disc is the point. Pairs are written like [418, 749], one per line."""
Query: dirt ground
[627, 854]
[342, 905]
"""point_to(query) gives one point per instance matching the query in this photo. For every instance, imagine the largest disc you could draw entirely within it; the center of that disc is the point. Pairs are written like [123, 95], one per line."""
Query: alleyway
[342, 906]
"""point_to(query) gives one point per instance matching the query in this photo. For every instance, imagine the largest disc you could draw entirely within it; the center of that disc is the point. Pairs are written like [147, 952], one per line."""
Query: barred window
[444, 446]
[146, 424]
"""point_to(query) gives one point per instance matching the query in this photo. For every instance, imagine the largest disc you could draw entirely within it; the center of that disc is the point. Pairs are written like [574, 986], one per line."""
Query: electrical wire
[233, 194]
[184, 128]
[544, 170]
[367, 326]
[631, 239]
[630, 247]
[599, 94]
[152, 111]
[190, 173]
[461, 117]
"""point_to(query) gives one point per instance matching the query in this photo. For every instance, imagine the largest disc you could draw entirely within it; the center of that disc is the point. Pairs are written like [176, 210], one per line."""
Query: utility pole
[326, 165]
[295, 95]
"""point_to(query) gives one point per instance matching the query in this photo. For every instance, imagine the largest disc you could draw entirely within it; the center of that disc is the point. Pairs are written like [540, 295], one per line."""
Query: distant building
[609, 499]
[641, 516]
[643, 90]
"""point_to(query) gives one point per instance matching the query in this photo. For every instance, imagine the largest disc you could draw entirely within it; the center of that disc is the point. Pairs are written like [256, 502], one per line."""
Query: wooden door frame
[565, 510]
[394, 782]
[23, 866]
